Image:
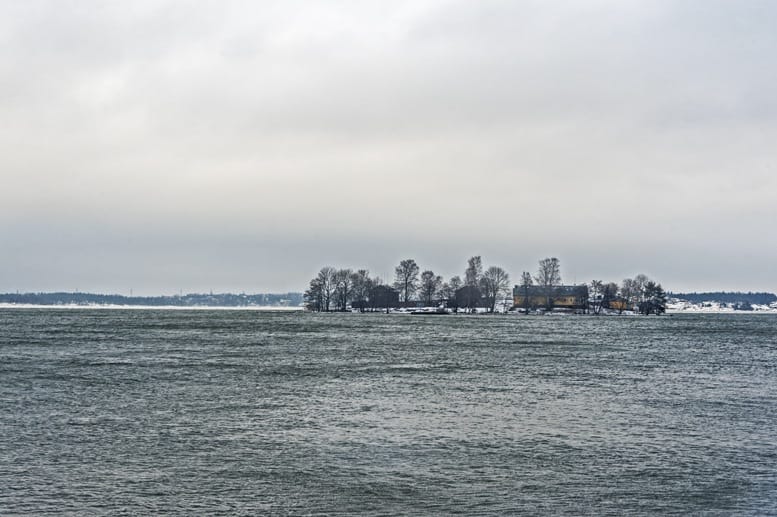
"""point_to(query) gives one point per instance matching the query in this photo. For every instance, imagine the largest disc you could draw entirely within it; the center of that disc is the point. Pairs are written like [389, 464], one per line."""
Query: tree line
[640, 292]
[543, 289]
[759, 298]
[334, 289]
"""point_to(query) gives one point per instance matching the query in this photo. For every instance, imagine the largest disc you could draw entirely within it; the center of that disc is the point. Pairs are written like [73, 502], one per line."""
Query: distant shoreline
[257, 308]
[720, 311]
[256, 301]
[272, 308]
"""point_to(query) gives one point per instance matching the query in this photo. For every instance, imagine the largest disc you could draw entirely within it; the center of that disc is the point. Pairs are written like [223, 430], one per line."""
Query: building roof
[559, 290]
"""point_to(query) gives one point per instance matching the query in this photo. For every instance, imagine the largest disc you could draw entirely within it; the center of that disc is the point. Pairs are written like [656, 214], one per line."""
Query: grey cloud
[612, 134]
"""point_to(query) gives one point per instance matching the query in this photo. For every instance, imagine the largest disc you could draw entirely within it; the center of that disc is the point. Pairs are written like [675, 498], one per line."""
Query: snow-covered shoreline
[259, 308]
[712, 307]
[677, 307]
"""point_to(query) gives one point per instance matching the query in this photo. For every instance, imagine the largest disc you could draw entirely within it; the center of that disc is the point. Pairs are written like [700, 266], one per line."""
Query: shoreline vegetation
[480, 290]
[600, 301]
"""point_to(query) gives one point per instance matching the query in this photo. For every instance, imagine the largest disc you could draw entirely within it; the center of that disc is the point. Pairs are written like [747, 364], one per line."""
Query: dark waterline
[214, 412]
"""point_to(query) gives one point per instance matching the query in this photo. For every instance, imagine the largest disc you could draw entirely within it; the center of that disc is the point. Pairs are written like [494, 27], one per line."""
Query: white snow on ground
[268, 308]
[675, 306]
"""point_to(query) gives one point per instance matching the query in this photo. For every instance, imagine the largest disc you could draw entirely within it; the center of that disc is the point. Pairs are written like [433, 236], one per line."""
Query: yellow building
[559, 297]
[619, 304]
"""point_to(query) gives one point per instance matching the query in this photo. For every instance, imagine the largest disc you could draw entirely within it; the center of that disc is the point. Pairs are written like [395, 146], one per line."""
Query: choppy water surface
[209, 412]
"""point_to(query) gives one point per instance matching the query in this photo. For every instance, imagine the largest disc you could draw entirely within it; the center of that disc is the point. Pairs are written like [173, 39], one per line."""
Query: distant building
[561, 297]
[380, 297]
[618, 304]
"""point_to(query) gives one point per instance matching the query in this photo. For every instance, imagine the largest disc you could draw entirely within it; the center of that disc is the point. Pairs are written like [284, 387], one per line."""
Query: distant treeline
[724, 297]
[186, 300]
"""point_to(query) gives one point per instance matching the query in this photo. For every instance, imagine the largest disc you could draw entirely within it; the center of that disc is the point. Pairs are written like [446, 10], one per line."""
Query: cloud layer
[242, 145]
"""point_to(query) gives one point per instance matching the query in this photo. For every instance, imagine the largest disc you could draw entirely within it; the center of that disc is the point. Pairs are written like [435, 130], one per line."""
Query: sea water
[240, 412]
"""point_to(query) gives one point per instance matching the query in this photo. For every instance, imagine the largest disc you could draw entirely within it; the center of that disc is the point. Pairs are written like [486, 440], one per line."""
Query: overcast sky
[241, 145]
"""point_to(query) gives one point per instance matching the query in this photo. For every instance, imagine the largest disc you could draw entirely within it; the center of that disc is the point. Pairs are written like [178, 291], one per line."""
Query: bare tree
[453, 286]
[343, 288]
[548, 278]
[526, 283]
[648, 296]
[495, 282]
[609, 294]
[430, 287]
[639, 287]
[470, 294]
[629, 293]
[361, 288]
[474, 271]
[595, 290]
[406, 279]
[327, 282]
